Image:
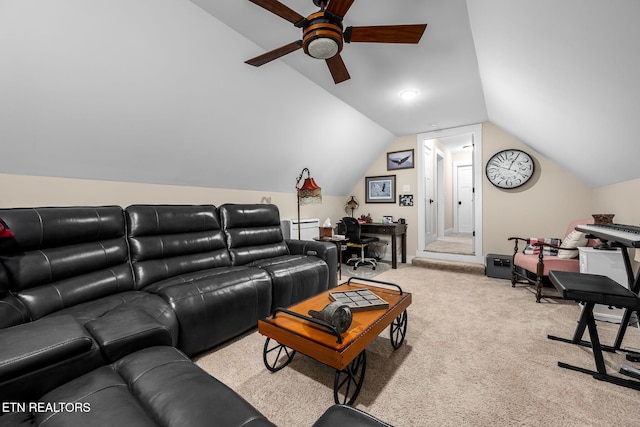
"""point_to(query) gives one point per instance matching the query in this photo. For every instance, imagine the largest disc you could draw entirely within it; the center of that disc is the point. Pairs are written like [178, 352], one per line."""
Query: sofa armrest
[328, 252]
[32, 346]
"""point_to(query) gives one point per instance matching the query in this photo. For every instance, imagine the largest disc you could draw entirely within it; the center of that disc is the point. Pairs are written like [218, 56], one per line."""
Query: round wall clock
[509, 168]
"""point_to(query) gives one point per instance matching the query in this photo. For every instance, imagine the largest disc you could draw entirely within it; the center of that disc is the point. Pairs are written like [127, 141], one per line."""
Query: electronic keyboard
[624, 235]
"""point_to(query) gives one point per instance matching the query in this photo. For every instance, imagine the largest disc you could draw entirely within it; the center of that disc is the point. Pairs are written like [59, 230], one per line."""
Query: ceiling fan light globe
[408, 94]
[323, 48]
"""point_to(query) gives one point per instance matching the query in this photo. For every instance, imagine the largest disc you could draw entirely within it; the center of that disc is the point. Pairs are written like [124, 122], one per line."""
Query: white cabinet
[606, 263]
[309, 228]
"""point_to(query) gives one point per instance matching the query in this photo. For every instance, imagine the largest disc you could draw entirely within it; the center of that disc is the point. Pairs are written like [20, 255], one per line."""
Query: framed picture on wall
[406, 200]
[400, 160]
[380, 189]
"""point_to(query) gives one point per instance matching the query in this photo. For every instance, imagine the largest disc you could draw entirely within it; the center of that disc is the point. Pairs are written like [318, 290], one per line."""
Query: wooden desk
[394, 230]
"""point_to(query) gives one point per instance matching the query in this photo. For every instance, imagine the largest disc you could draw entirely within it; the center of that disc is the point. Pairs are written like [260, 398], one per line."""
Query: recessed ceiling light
[408, 94]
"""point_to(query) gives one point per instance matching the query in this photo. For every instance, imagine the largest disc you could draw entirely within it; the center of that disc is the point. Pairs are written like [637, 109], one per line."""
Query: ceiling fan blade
[274, 54]
[274, 6]
[385, 34]
[339, 7]
[338, 69]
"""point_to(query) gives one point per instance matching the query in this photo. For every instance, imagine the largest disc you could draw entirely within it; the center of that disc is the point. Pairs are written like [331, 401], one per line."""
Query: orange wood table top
[319, 343]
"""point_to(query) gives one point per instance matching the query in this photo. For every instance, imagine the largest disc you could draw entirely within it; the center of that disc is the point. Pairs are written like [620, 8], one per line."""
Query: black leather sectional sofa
[100, 308]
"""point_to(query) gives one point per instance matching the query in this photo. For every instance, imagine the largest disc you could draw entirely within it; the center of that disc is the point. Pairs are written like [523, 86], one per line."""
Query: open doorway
[449, 201]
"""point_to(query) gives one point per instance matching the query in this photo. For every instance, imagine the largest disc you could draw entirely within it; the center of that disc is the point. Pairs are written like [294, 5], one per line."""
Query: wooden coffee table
[292, 329]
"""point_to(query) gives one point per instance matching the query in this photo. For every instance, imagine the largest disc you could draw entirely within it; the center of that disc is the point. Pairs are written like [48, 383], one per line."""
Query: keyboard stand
[579, 333]
[634, 285]
[593, 289]
[623, 237]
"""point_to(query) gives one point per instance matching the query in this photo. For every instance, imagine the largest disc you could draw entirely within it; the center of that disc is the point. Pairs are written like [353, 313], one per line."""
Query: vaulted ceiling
[157, 90]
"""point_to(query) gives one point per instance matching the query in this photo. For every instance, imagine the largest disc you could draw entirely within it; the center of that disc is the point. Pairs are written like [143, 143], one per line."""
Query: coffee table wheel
[276, 356]
[398, 330]
[348, 382]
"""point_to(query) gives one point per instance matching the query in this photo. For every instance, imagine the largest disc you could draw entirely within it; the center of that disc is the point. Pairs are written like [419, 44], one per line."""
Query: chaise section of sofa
[255, 239]
[179, 253]
[157, 386]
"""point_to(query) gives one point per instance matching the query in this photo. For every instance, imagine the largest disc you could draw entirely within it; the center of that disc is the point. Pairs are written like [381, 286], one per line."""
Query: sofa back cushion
[253, 232]
[170, 240]
[65, 256]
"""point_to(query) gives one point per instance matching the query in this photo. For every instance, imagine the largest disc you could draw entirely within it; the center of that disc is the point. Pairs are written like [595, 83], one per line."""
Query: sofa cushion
[194, 397]
[217, 304]
[155, 386]
[295, 277]
[122, 332]
[170, 240]
[151, 304]
[531, 248]
[43, 343]
[573, 240]
[530, 263]
[40, 355]
[253, 232]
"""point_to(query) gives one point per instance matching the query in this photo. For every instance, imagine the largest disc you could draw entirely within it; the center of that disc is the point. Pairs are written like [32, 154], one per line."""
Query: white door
[429, 207]
[464, 174]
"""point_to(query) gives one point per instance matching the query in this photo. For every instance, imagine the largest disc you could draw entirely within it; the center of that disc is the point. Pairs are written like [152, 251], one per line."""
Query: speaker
[499, 266]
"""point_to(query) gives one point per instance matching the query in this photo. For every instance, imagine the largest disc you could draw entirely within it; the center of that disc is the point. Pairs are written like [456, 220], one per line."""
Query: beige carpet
[476, 354]
[455, 243]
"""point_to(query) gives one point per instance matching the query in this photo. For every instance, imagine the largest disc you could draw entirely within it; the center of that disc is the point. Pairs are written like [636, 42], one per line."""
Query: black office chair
[356, 240]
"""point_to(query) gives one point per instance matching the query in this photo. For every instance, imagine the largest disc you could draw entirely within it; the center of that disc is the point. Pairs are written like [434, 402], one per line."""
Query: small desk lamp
[352, 205]
[309, 193]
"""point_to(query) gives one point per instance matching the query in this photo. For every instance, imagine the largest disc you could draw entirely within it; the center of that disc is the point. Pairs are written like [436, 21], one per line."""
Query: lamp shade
[352, 205]
[310, 193]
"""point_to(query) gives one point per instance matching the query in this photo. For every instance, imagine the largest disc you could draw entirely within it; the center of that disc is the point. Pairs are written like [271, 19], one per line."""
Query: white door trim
[476, 131]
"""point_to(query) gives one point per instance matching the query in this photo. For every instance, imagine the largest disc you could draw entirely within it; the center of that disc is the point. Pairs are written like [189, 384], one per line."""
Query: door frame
[428, 233]
[440, 207]
[476, 132]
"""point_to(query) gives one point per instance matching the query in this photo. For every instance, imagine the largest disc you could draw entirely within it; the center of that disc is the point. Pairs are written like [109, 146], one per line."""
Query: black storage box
[499, 266]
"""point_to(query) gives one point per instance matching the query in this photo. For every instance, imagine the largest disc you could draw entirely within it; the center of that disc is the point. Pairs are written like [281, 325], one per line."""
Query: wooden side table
[339, 243]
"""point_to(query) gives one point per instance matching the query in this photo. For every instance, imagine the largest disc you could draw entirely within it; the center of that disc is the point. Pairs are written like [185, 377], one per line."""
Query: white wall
[541, 208]
[35, 191]
[157, 91]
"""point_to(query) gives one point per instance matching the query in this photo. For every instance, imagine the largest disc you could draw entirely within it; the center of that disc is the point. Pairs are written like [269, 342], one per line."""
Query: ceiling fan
[323, 36]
